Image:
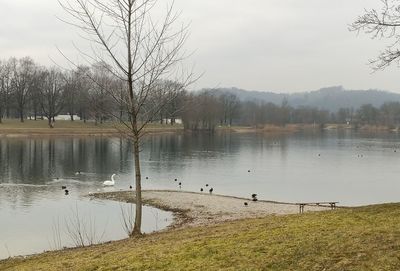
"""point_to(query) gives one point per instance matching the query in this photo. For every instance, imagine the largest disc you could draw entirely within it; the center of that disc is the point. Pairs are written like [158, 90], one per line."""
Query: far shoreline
[78, 128]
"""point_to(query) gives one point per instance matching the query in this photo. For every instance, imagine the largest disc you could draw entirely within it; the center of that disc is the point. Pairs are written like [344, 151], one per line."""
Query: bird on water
[110, 183]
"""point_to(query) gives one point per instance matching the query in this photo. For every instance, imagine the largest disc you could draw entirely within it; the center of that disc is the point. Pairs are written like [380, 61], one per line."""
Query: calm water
[351, 168]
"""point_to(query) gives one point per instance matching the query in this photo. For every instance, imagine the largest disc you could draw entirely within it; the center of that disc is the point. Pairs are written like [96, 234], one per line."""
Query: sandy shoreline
[198, 209]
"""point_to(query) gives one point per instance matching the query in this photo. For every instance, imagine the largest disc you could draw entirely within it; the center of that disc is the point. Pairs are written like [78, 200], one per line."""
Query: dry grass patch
[365, 238]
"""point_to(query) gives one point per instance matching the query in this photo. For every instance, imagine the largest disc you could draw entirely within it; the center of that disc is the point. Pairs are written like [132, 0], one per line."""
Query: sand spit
[196, 209]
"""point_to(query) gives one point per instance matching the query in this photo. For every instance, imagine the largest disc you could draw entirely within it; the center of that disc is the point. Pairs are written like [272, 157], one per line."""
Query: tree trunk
[50, 123]
[21, 115]
[138, 216]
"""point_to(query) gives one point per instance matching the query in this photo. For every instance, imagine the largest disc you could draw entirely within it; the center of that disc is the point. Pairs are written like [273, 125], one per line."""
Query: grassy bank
[67, 128]
[76, 128]
[366, 238]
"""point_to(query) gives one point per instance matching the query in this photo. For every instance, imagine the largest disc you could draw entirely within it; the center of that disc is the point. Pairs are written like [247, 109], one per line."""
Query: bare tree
[139, 51]
[52, 94]
[35, 95]
[82, 84]
[7, 77]
[230, 108]
[23, 78]
[101, 102]
[71, 92]
[3, 88]
[383, 23]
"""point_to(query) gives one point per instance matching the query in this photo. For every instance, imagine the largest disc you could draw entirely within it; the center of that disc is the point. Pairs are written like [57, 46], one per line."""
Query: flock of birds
[111, 182]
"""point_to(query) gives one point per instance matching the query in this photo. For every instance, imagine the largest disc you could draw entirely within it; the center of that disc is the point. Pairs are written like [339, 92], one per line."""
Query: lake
[35, 214]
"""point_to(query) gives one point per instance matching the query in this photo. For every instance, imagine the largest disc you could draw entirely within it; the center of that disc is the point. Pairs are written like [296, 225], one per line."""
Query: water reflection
[292, 167]
[38, 161]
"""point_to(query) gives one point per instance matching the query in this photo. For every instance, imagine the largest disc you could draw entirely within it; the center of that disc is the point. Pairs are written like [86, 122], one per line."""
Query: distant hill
[330, 98]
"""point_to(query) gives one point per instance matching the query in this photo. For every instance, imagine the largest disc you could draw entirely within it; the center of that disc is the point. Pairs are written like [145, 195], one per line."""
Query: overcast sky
[269, 45]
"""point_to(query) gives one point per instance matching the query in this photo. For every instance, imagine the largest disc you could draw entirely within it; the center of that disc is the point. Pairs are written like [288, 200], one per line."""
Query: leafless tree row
[28, 90]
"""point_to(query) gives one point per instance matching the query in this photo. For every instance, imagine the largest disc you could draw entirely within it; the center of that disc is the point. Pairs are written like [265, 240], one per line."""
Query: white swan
[110, 183]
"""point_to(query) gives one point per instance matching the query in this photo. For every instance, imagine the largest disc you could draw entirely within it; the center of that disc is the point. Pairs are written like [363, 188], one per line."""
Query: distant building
[66, 117]
[176, 121]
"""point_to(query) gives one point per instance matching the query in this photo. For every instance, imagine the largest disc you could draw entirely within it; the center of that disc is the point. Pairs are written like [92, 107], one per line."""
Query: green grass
[366, 238]
[35, 124]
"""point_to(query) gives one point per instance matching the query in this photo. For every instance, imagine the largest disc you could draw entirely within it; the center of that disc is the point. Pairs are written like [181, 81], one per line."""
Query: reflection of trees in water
[170, 150]
[39, 160]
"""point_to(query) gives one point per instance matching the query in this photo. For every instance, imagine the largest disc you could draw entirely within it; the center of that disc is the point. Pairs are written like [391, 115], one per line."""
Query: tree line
[205, 110]
[32, 91]
[28, 90]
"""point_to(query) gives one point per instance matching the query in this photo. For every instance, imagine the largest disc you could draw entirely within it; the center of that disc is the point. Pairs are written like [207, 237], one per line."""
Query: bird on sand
[211, 190]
